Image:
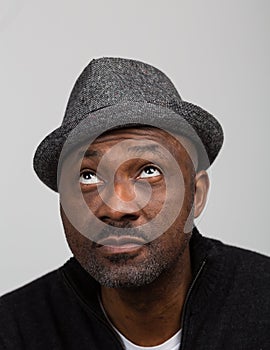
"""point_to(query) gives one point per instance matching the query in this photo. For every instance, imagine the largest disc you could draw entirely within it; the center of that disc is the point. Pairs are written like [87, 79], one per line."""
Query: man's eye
[89, 177]
[149, 171]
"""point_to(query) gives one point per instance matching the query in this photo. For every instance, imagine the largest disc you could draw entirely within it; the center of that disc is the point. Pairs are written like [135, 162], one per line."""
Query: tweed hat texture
[116, 92]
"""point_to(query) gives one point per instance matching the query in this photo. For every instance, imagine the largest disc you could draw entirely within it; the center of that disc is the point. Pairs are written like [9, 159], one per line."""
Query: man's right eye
[88, 177]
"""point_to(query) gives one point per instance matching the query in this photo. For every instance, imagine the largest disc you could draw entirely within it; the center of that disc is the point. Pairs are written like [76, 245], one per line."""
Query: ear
[201, 191]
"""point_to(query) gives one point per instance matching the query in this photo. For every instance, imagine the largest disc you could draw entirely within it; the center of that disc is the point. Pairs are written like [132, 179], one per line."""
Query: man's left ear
[201, 191]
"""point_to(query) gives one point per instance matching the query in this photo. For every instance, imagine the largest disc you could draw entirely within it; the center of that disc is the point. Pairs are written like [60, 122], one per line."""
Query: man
[129, 162]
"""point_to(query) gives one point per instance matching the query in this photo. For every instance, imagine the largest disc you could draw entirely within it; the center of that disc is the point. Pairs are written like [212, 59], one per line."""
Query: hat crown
[116, 92]
[108, 81]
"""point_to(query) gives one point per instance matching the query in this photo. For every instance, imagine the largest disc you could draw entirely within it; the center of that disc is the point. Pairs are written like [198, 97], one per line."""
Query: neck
[140, 313]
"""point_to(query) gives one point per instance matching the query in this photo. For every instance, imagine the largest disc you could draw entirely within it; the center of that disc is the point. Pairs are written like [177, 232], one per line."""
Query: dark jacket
[227, 307]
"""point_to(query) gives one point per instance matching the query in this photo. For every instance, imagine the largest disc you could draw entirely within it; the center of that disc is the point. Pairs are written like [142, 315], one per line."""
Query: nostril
[131, 217]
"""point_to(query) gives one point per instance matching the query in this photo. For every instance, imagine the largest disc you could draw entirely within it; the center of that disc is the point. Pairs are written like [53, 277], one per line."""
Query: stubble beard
[123, 271]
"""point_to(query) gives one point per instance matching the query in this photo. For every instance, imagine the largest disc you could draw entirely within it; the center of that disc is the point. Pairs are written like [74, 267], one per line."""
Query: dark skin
[140, 314]
[138, 306]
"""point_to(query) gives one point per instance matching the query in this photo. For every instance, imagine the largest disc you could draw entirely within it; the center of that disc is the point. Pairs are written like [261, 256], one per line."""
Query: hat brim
[186, 119]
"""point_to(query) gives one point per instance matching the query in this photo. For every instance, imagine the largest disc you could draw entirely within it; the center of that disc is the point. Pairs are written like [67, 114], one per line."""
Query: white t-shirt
[171, 344]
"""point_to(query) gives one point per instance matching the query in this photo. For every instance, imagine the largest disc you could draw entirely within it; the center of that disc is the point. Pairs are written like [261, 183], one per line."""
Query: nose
[119, 202]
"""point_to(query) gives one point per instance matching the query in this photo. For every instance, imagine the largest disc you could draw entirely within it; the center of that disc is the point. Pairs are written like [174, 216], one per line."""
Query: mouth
[122, 244]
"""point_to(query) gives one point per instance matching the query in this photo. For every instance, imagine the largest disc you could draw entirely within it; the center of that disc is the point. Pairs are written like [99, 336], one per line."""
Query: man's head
[142, 185]
[129, 163]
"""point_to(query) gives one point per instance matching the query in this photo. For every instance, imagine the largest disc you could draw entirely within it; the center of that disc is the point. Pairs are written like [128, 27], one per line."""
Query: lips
[116, 244]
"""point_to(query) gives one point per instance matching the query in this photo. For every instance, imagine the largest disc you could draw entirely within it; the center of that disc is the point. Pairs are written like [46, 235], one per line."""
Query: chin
[125, 270]
[126, 278]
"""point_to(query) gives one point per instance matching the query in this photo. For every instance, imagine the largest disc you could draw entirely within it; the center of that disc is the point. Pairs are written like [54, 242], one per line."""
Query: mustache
[120, 229]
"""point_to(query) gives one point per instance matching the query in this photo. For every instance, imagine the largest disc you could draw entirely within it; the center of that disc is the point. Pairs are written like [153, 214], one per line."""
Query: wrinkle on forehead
[168, 139]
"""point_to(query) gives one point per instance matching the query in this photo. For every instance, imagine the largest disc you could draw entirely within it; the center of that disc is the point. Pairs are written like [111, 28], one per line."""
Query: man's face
[138, 187]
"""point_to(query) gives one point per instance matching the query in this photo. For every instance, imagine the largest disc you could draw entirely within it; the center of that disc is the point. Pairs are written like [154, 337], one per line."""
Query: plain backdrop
[216, 52]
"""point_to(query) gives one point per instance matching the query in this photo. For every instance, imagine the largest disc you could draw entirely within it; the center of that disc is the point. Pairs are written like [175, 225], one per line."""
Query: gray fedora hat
[116, 92]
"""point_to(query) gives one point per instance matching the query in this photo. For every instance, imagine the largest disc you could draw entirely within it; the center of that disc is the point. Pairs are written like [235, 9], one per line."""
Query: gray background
[216, 53]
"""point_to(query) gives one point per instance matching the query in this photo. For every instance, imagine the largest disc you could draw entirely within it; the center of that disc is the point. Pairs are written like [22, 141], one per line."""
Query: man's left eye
[149, 171]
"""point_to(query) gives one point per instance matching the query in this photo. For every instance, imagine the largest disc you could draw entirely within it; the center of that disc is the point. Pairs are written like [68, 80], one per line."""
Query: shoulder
[244, 261]
[20, 308]
[32, 290]
[31, 307]
[238, 260]
[245, 272]
[232, 296]
[41, 295]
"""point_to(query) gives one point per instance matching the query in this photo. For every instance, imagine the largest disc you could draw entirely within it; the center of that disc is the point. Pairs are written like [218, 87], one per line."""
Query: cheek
[92, 200]
[155, 203]
[79, 244]
[79, 211]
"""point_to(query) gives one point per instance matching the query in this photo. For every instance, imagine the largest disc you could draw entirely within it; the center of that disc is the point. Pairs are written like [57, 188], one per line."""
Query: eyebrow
[155, 149]
[89, 154]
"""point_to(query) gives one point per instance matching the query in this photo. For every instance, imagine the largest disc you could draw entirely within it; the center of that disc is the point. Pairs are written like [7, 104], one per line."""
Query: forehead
[171, 141]
[138, 142]
[148, 140]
